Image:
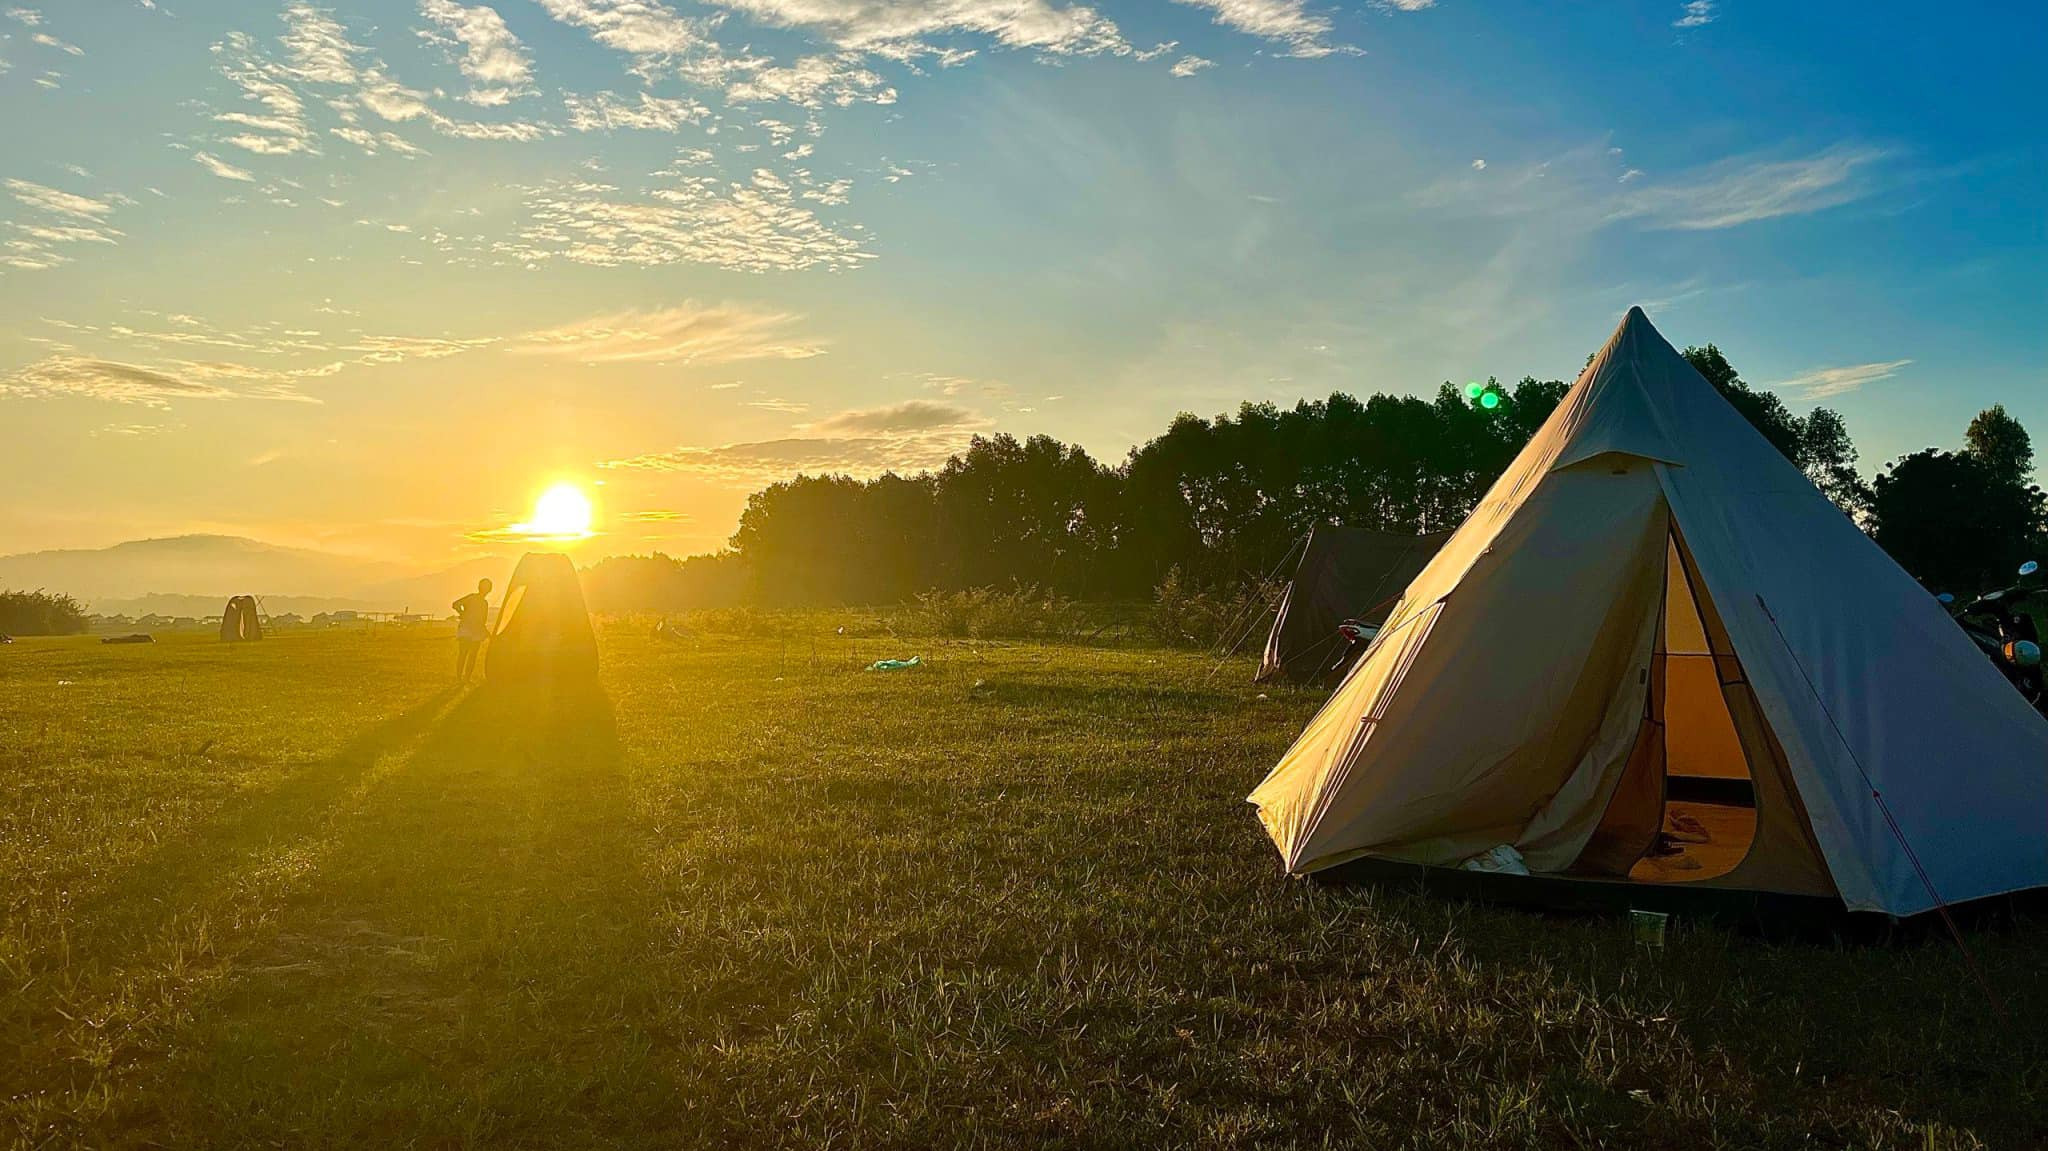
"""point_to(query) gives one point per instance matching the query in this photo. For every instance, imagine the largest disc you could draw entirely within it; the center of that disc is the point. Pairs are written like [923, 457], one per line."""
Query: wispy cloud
[1288, 23]
[1745, 190]
[53, 220]
[765, 461]
[66, 374]
[916, 435]
[49, 41]
[1696, 13]
[636, 27]
[686, 333]
[279, 124]
[1820, 383]
[838, 79]
[908, 416]
[497, 65]
[317, 47]
[606, 111]
[1189, 65]
[318, 54]
[758, 225]
[1590, 187]
[222, 168]
[903, 28]
[60, 203]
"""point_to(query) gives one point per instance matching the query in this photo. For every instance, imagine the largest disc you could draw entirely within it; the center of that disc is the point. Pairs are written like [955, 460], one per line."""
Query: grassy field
[302, 894]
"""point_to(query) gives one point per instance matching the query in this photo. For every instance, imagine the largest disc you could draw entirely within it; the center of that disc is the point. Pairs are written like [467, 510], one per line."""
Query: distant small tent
[1345, 574]
[543, 631]
[240, 620]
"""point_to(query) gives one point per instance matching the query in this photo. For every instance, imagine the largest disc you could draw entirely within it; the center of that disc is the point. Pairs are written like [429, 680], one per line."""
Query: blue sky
[368, 276]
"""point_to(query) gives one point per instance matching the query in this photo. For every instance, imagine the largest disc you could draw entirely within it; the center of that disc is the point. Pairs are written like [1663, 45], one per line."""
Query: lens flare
[1489, 400]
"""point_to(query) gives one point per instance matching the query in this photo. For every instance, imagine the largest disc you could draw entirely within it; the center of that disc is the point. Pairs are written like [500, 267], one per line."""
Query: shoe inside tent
[1656, 659]
[1345, 574]
[543, 633]
[241, 620]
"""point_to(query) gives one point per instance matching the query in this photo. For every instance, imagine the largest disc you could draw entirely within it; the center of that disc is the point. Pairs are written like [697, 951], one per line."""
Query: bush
[1186, 616]
[985, 613]
[733, 621]
[40, 613]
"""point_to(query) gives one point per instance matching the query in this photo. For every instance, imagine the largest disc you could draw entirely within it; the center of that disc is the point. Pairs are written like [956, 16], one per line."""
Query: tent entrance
[1709, 808]
[1686, 805]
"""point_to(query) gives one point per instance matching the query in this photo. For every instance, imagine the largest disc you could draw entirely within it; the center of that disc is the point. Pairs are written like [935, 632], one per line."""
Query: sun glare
[562, 512]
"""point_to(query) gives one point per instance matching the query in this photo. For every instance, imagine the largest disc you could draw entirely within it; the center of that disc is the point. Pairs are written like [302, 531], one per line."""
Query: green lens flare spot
[1473, 389]
[1490, 400]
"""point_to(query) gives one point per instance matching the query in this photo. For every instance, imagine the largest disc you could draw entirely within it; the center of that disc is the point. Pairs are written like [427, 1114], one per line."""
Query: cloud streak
[766, 461]
[901, 29]
[908, 416]
[1743, 191]
[687, 333]
[1821, 383]
[913, 436]
[1288, 23]
[53, 220]
[112, 381]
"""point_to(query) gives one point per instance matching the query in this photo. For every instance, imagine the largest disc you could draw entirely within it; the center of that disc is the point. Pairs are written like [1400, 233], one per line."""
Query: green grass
[300, 894]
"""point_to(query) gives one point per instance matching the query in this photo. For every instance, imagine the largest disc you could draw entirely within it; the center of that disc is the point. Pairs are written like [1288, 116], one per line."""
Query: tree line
[1219, 501]
[40, 613]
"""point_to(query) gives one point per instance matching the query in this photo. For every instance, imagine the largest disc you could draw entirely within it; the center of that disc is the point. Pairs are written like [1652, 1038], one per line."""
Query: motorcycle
[1995, 622]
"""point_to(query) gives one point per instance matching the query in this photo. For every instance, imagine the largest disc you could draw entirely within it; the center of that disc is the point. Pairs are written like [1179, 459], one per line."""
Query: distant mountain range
[193, 575]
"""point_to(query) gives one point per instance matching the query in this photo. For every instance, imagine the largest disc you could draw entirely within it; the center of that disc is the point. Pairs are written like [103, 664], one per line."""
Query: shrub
[741, 620]
[40, 613]
[986, 613]
[1187, 616]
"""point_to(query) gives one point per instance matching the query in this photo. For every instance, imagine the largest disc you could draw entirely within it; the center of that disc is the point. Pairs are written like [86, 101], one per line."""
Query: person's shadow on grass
[483, 919]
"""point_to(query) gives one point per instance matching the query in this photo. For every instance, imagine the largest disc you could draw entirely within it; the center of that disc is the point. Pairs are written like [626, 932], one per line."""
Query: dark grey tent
[543, 632]
[240, 620]
[1345, 574]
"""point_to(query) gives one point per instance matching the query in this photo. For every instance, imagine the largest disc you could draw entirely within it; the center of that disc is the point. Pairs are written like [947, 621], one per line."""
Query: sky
[369, 277]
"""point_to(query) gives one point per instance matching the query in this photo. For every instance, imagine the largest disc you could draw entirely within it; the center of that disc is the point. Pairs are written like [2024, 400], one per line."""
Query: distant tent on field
[1345, 575]
[1656, 659]
[240, 620]
[543, 628]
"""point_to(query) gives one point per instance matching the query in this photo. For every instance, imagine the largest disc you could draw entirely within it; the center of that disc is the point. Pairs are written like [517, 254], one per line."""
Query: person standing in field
[472, 628]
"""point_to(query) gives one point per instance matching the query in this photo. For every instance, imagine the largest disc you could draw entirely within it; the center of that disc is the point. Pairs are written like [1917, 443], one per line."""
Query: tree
[40, 613]
[2001, 444]
[663, 583]
[1951, 521]
[1828, 456]
[1014, 513]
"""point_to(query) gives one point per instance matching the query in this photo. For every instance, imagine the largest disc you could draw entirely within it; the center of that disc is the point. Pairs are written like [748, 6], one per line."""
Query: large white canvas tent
[1652, 595]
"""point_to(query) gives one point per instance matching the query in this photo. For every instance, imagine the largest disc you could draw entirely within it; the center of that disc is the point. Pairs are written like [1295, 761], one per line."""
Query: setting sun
[561, 512]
